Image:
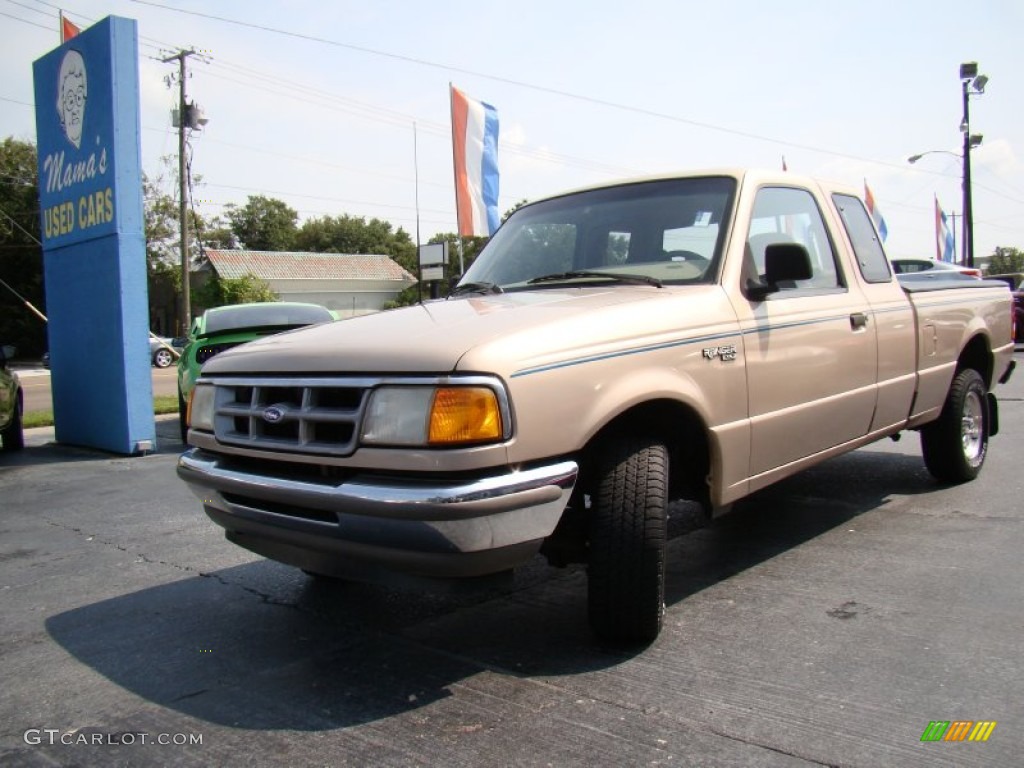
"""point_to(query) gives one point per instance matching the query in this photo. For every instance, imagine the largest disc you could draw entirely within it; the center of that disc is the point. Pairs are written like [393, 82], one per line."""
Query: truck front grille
[304, 416]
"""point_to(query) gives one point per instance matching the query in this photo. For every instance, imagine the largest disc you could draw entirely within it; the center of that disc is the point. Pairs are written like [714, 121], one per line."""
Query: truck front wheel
[955, 444]
[627, 531]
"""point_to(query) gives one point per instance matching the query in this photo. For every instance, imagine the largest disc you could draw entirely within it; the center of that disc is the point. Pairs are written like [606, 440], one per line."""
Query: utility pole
[186, 285]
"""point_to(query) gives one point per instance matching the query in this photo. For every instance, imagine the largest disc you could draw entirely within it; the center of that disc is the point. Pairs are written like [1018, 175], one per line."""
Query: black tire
[182, 423]
[13, 436]
[627, 531]
[955, 444]
[162, 358]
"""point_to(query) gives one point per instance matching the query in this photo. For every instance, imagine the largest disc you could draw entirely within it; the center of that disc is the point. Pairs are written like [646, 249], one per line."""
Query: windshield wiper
[475, 288]
[617, 277]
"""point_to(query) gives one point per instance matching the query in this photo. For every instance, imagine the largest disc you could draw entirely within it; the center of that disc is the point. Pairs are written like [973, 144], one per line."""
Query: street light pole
[968, 227]
[972, 84]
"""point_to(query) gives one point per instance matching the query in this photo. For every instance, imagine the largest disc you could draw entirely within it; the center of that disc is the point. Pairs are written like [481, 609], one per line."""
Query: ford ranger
[693, 337]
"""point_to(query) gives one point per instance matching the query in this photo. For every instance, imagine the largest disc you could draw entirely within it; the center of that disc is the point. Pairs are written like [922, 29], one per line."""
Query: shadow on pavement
[321, 657]
[789, 513]
[41, 448]
[259, 646]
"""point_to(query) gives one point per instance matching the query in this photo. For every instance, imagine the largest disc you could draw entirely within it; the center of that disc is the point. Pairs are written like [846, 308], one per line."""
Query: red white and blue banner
[943, 236]
[475, 146]
[876, 214]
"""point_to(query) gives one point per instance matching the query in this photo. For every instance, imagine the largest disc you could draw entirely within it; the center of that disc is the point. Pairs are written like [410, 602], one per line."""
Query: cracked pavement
[825, 621]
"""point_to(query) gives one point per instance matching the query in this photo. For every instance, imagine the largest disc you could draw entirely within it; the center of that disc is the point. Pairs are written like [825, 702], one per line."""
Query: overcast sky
[314, 102]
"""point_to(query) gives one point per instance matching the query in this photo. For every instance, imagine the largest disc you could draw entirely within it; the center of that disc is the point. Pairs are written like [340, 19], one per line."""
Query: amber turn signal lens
[464, 415]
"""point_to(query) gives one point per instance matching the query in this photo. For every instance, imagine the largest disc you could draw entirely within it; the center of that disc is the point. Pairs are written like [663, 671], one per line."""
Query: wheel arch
[977, 354]
[679, 427]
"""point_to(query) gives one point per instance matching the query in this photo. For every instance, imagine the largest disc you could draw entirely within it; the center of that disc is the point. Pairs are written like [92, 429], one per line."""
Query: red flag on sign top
[67, 29]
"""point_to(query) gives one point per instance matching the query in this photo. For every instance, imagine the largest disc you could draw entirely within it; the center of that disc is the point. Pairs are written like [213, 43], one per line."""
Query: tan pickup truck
[690, 337]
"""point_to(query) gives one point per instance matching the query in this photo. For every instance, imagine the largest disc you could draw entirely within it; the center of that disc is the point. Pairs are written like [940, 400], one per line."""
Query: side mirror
[783, 262]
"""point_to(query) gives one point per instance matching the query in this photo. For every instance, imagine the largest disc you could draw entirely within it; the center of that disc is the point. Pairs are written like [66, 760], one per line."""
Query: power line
[318, 197]
[24, 21]
[518, 83]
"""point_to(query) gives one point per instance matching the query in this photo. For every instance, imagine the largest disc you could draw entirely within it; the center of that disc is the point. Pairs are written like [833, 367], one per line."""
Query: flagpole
[416, 184]
[953, 216]
[455, 178]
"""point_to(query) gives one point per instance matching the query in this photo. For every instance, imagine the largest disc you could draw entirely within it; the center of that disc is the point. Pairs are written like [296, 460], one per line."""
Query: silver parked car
[164, 351]
[916, 266]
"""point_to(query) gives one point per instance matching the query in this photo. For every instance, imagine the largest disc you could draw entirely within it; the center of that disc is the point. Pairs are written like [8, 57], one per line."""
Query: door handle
[858, 320]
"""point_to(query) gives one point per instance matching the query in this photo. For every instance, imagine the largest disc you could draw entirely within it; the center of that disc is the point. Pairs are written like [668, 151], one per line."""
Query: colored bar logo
[958, 730]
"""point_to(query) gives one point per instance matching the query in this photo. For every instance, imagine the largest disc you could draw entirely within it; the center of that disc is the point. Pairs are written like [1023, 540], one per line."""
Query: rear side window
[870, 257]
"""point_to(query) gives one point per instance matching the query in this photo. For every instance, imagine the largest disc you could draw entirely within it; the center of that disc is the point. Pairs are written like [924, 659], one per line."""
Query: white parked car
[916, 266]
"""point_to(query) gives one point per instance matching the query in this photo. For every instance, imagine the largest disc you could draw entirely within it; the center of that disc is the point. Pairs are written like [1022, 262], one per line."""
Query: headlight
[397, 416]
[435, 416]
[200, 407]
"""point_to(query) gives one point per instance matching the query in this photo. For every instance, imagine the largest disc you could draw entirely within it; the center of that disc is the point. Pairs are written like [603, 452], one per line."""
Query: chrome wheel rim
[972, 427]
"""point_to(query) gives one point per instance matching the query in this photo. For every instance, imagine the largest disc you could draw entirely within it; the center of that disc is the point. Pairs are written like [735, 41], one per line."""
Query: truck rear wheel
[627, 531]
[955, 444]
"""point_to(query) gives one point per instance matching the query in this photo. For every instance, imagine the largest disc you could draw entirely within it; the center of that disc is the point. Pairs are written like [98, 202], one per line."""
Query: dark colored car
[222, 328]
[11, 404]
[1018, 316]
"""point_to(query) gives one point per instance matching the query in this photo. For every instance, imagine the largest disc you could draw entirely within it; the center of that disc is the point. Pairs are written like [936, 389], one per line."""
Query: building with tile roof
[351, 284]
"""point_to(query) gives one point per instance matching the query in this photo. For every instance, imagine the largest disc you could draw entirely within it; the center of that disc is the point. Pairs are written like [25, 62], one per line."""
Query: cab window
[788, 215]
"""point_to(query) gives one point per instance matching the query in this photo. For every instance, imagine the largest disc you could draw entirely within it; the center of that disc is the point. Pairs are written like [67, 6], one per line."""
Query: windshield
[263, 315]
[661, 232]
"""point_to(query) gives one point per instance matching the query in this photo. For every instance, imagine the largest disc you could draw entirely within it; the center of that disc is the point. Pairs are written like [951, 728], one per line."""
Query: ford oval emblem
[273, 415]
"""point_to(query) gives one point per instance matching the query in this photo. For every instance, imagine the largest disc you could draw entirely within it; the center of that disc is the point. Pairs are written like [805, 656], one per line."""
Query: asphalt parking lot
[825, 621]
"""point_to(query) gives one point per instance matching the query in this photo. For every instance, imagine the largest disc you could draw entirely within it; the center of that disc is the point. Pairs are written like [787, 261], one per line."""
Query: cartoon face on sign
[72, 90]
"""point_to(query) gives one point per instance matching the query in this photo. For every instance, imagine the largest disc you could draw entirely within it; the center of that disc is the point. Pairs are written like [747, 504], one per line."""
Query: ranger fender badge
[273, 414]
[727, 352]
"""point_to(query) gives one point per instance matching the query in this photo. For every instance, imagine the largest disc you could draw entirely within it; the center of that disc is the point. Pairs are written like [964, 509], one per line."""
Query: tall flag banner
[943, 237]
[67, 29]
[876, 214]
[475, 147]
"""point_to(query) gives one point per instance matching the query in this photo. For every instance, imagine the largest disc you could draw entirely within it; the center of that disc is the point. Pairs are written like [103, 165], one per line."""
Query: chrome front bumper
[363, 524]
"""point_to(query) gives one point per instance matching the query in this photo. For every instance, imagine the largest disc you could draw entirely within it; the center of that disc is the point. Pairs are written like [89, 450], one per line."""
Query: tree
[513, 209]
[263, 224]
[218, 235]
[1005, 261]
[354, 234]
[21, 255]
[161, 214]
[220, 291]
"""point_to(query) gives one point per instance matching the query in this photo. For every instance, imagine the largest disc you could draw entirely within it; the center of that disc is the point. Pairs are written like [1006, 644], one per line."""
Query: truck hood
[501, 333]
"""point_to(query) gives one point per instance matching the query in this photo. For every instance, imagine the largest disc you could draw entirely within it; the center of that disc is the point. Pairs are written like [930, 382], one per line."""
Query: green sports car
[222, 328]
